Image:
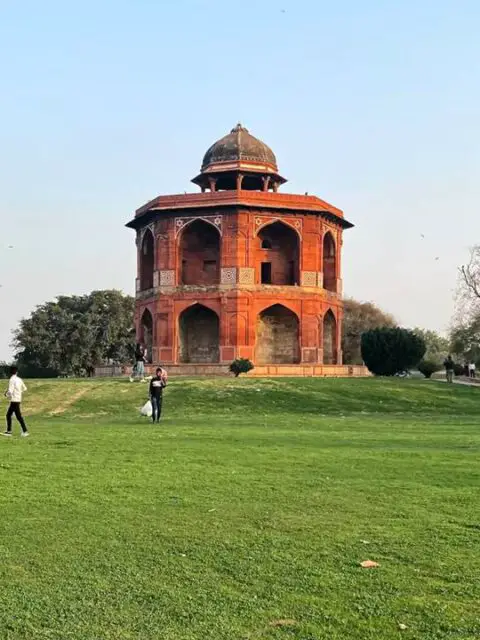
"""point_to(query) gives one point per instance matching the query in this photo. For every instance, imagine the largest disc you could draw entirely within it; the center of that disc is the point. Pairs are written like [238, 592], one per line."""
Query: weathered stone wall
[147, 260]
[200, 255]
[329, 263]
[329, 338]
[277, 337]
[199, 336]
[277, 245]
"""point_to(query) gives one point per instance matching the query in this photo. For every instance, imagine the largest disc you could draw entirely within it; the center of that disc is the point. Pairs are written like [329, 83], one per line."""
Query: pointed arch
[329, 331]
[199, 335]
[278, 254]
[278, 332]
[147, 260]
[146, 332]
[329, 262]
[199, 251]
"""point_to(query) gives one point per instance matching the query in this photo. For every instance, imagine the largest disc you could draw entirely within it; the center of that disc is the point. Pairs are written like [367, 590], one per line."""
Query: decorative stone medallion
[228, 275]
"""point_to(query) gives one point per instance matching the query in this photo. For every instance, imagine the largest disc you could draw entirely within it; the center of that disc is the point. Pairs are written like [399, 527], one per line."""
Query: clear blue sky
[373, 106]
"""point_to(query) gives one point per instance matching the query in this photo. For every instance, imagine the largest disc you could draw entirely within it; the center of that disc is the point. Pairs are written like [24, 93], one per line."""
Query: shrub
[428, 367]
[241, 365]
[458, 369]
[387, 351]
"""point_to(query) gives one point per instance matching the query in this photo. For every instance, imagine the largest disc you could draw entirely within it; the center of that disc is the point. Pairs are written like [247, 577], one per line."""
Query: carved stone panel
[167, 278]
[246, 275]
[309, 279]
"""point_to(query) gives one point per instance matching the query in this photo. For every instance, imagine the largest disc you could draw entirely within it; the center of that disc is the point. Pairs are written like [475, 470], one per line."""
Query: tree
[470, 276]
[437, 347]
[73, 334]
[387, 351]
[360, 317]
[465, 338]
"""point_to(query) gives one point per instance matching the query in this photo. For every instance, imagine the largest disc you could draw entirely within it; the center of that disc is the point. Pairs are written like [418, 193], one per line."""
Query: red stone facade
[239, 269]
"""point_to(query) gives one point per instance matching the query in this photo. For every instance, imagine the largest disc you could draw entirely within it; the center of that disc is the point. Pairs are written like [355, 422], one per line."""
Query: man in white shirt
[16, 387]
[471, 369]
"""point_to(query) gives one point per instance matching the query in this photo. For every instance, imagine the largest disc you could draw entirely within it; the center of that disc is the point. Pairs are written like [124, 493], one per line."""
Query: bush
[459, 369]
[387, 351]
[241, 365]
[428, 367]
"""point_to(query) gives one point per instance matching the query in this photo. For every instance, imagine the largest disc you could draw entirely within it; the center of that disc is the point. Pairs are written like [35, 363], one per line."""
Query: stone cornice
[257, 199]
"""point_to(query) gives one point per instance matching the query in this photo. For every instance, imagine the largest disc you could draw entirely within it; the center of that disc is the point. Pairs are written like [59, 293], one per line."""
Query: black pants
[14, 409]
[157, 407]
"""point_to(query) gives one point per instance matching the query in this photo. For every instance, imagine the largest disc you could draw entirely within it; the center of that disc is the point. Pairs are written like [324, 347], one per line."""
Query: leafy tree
[387, 351]
[465, 338]
[73, 334]
[360, 317]
[437, 347]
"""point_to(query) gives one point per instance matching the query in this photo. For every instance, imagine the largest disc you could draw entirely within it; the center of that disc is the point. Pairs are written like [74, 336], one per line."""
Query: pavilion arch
[199, 335]
[329, 332]
[199, 253]
[146, 332]
[278, 336]
[278, 254]
[147, 260]
[329, 262]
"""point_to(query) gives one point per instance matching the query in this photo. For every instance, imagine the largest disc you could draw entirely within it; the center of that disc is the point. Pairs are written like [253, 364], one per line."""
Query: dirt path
[68, 402]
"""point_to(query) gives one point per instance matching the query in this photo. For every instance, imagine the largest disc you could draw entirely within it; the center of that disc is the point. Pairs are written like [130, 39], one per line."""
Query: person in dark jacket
[139, 366]
[449, 368]
[157, 385]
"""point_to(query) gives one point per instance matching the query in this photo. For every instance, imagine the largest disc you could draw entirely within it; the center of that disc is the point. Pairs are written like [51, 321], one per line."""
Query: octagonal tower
[240, 269]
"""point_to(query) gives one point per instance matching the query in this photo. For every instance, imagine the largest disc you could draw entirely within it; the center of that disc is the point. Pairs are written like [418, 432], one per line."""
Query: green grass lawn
[245, 515]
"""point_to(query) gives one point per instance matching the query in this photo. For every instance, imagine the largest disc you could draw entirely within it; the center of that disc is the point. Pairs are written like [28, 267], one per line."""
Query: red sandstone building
[240, 269]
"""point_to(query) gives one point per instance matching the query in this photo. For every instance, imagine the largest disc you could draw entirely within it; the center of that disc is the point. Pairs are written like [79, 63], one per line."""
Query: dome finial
[238, 128]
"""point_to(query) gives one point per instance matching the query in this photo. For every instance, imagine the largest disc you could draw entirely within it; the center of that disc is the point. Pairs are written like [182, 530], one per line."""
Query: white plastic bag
[147, 409]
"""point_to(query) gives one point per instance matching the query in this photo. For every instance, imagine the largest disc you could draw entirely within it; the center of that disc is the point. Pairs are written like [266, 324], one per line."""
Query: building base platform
[261, 371]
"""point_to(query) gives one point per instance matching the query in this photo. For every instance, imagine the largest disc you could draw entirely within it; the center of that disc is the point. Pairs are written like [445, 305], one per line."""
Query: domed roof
[239, 146]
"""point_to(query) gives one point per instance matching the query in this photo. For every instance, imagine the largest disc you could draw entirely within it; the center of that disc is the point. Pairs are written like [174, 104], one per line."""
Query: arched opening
[329, 338]
[199, 331]
[147, 261]
[146, 333]
[329, 263]
[278, 250]
[277, 336]
[200, 254]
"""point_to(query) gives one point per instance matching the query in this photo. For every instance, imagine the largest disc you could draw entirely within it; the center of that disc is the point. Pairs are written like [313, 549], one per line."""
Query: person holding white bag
[157, 385]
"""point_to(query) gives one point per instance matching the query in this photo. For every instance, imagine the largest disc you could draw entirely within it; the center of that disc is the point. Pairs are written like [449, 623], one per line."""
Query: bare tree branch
[471, 272]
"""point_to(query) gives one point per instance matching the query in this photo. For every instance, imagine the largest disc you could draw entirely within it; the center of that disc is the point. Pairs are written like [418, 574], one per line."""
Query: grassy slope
[248, 506]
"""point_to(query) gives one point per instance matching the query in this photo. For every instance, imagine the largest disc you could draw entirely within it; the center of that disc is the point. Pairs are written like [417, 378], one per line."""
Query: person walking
[139, 366]
[157, 385]
[449, 368]
[472, 369]
[16, 388]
